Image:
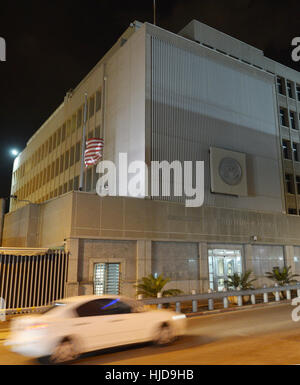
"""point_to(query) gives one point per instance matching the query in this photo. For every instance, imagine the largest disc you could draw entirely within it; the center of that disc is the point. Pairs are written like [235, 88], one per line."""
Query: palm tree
[282, 276]
[150, 286]
[237, 281]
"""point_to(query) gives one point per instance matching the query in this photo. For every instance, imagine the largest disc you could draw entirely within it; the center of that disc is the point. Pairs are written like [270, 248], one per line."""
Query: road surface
[255, 336]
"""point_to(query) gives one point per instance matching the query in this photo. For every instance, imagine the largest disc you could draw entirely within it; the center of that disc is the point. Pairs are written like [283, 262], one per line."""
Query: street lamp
[14, 152]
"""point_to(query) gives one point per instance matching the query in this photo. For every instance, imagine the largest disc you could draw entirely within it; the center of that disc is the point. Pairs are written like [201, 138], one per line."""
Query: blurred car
[81, 324]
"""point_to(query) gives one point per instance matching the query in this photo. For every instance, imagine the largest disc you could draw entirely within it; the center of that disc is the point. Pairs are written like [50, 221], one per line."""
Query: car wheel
[165, 335]
[64, 352]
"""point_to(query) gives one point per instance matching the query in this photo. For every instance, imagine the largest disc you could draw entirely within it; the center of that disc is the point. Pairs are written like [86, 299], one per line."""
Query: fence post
[194, 303]
[265, 295]
[210, 302]
[178, 308]
[253, 301]
[277, 294]
[225, 300]
[288, 294]
[239, 299]
[159, 306]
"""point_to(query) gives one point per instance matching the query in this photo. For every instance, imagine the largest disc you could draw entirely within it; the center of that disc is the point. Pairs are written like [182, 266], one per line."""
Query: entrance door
[106, 278]
[222, 263]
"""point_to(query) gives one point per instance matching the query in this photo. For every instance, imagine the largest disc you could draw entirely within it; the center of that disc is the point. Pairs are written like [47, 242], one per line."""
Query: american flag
[93, 151]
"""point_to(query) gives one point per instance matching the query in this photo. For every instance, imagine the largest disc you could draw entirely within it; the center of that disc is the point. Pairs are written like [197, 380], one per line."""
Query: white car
[81, 324]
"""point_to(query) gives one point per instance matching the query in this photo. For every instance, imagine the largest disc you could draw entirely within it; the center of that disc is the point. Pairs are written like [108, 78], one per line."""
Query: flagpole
[83, 144]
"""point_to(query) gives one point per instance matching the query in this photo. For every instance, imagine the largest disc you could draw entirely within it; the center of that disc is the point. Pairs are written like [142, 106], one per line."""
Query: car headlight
[179, 316]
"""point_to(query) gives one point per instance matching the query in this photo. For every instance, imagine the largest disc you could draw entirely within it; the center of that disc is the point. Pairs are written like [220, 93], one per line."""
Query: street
[256, 336]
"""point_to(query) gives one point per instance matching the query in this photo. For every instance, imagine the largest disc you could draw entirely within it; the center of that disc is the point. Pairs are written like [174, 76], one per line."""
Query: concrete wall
[201, 98]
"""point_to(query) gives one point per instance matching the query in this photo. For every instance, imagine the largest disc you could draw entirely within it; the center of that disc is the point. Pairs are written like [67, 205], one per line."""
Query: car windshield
[53, 306]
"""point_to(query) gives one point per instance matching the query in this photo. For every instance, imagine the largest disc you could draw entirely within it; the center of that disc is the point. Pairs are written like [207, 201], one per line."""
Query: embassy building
[199, 95]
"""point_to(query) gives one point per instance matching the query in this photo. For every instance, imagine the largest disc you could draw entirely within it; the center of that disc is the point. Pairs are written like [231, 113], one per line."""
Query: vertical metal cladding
[170, 72]
[32, 281]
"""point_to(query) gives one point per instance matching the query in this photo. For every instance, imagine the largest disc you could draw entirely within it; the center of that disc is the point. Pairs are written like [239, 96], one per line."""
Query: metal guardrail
[210, 297]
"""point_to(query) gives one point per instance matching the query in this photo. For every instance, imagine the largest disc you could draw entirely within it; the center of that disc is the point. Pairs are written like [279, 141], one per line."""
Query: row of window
[290, 150]
[288, 88]
[292, 187]
[289, 118]
[89, 184]
[63, 132]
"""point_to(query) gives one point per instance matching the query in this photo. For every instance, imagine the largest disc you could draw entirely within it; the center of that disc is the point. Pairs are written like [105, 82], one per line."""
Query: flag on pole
[93, 151]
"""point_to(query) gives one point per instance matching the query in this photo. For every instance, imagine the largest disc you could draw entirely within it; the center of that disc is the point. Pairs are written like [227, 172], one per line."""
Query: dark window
[79, 118]
[298, 184]
[98, 100]
[58, 136]
[289, 183]
[61, 163]
[101, 307]
[63, 132]
[283, 119]
[289, 89]
[77, 152]
[286, 149]
[279, 82]
[76, 183]
[72, 154]
[296, 152]
[67, 160]
[298, 92]
[292, 120]
[92, 106]
[71, 185]
[292, 211]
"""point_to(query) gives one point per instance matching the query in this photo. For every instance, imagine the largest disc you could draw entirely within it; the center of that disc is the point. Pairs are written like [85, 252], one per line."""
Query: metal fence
[225, 296]
[32, 281]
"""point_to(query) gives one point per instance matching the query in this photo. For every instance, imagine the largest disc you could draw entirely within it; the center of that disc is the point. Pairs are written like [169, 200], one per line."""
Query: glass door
[223, 263]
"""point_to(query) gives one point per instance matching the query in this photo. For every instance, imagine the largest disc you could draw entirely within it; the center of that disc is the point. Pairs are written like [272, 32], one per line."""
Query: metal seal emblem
[230, 171]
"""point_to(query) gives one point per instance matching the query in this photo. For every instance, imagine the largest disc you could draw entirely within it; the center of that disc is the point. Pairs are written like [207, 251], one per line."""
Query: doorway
[223, 263]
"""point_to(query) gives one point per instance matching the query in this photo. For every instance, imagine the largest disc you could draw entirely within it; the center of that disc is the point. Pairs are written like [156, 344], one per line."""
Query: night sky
[52, 45]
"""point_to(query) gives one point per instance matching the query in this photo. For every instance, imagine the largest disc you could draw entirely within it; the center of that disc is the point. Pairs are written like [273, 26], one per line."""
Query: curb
[245, 307]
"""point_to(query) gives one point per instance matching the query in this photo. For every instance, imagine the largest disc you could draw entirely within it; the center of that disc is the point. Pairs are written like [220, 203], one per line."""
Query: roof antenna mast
[154, 12]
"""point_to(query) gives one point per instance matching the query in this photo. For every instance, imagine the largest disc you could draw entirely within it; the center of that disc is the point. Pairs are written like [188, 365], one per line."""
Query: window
[289, 89]
[72, 154]
[58, 136]
[76, 183]
[289, 184]
[106, 278]
[286, 149]
[89, 179]
[61, 163]
[54, 141]
[79, 118]
[65, 187]
[101, 307]
[98, 100]
[298, 184]
[292, 120]
[298, 92]
[279, 82]
[67, 160]
[292, 211]
[296, 152]
[77, 152]
[57, 167]
[283, 117]
[92, 106]
[71, 185]
[63, 133]
[73, 123]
